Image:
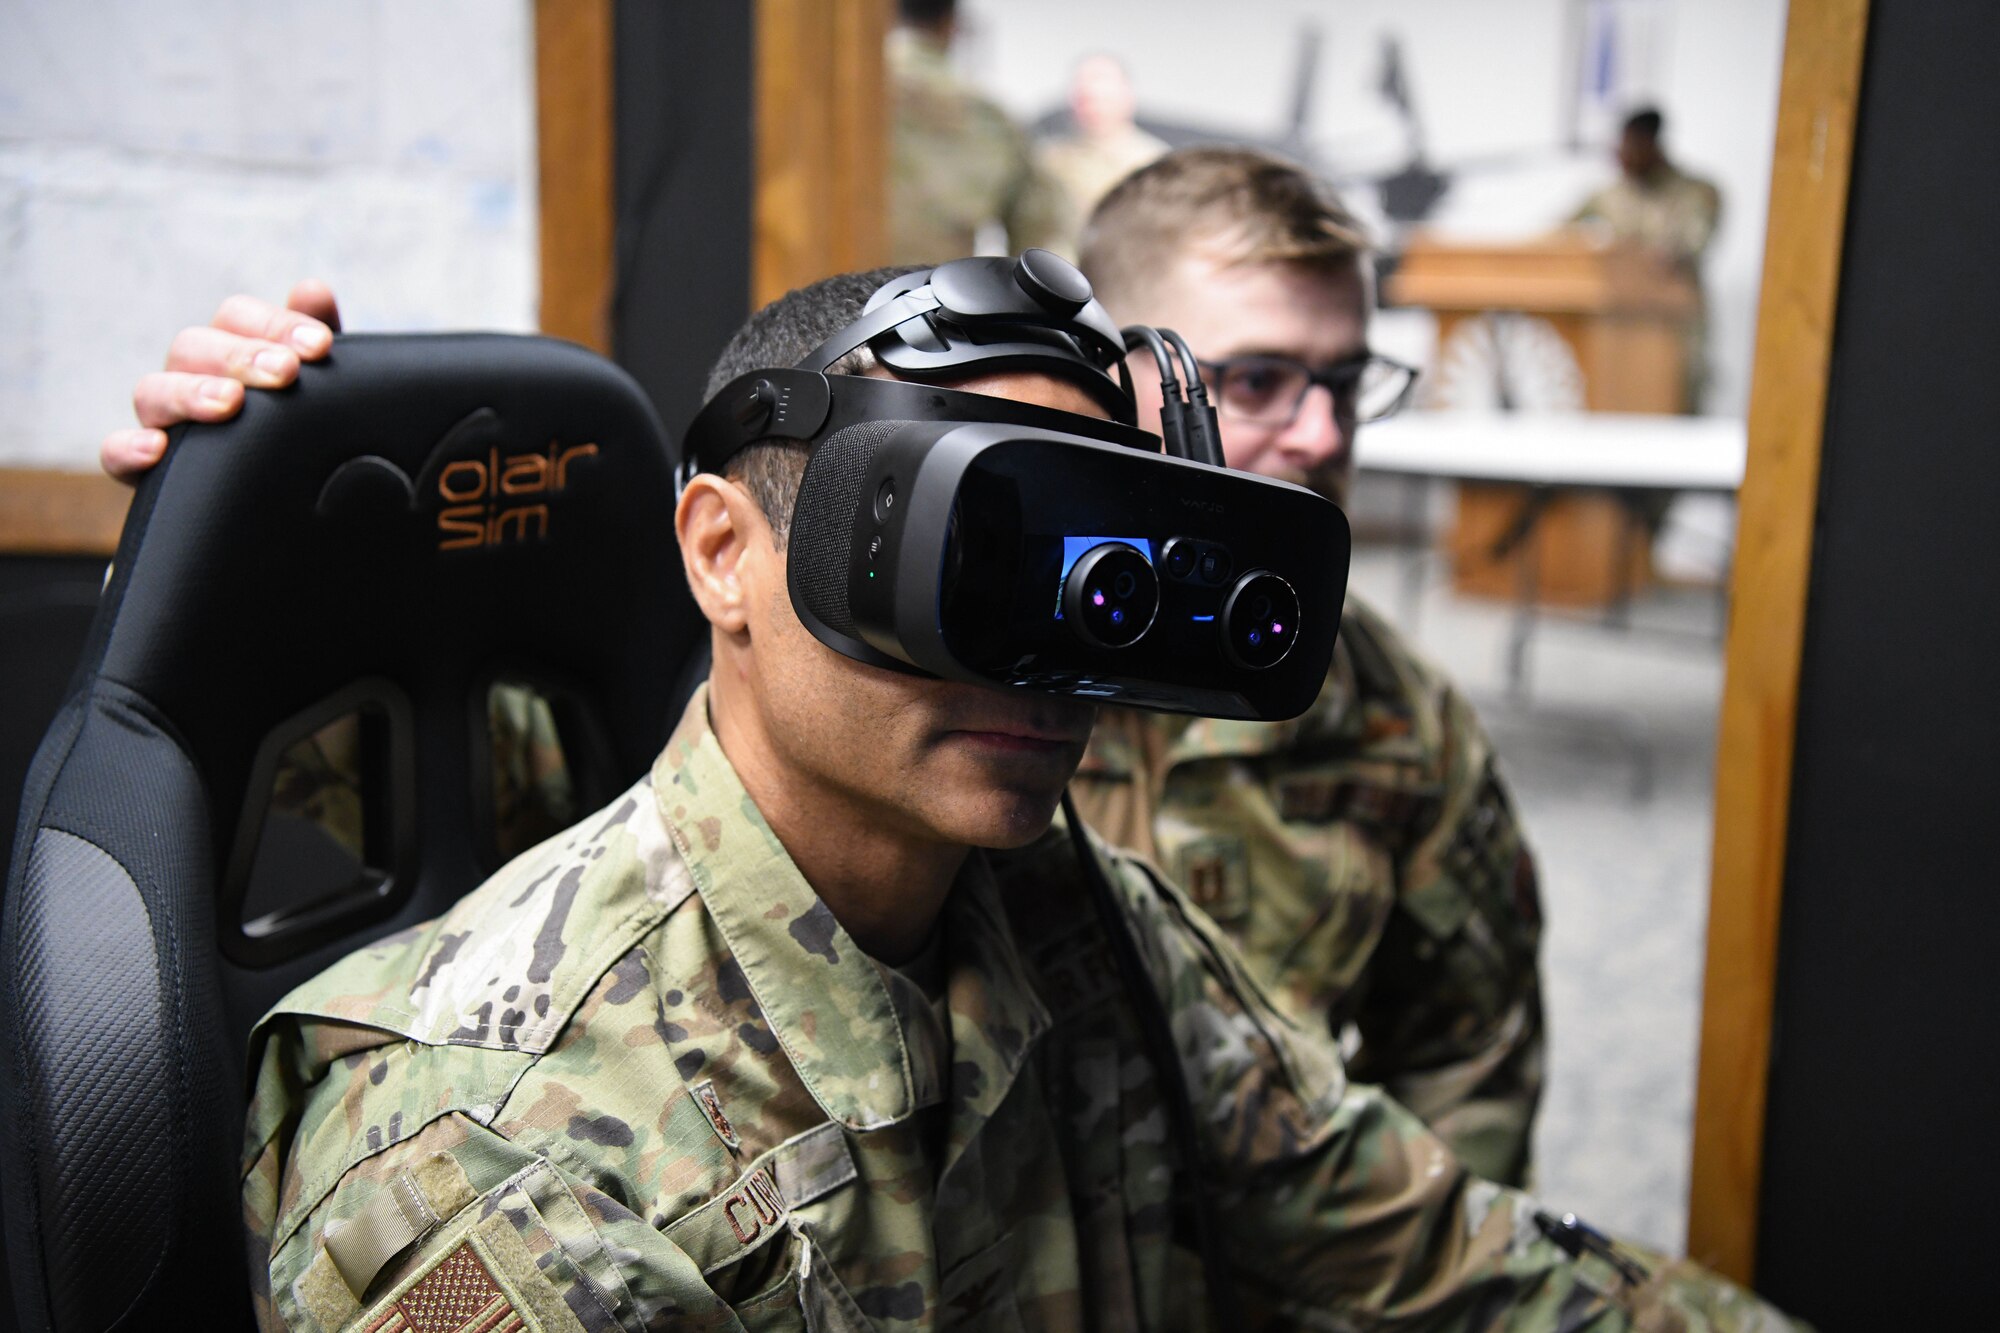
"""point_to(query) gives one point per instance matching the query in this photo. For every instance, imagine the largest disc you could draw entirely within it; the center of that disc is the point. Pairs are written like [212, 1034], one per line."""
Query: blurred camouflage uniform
[1085, 167]
[319, 778]
[1366, 860]
[643, 1079]
[534, 795]
[957, 163]
[1672, 214]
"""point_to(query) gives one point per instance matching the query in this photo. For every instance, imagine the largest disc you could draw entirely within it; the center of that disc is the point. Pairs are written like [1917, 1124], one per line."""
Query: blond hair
[1253, 206]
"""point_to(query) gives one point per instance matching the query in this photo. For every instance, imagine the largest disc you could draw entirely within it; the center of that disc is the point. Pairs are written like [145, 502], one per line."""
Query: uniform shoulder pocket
[1481, 876]
[525, 1256]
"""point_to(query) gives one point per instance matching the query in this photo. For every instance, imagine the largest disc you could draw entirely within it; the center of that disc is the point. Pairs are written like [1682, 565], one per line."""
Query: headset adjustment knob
[1056, 285]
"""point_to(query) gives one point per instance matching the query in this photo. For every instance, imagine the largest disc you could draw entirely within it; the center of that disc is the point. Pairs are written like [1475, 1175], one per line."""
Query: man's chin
[1002, 821]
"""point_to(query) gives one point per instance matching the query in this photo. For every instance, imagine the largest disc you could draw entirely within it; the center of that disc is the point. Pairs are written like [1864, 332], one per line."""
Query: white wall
[1492, 79]
[156, 155]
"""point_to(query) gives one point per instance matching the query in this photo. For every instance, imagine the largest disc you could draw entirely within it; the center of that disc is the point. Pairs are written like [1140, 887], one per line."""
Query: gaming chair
[418, 520]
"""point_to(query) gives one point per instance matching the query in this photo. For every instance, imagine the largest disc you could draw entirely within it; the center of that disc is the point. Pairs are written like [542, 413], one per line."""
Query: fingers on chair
[127, 454]
[256, 362]
[249, 317]
[166, 398]
[312, 297]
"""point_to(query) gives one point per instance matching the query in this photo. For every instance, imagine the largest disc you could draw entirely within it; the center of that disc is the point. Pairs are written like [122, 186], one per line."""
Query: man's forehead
[1227, 306]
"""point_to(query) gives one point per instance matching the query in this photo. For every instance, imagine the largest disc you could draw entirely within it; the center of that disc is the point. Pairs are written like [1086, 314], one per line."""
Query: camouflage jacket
[1366, 860]
[1673, 212]
[642, 1079]
[957, 163]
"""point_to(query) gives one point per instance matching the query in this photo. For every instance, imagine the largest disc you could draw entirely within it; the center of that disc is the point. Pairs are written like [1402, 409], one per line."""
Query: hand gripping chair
[417, 519]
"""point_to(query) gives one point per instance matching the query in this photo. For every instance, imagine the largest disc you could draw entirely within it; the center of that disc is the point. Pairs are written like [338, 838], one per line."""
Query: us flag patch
[457, 1296]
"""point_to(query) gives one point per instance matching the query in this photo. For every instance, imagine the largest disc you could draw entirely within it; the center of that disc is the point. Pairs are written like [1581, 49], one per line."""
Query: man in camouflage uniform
[1365, 856]
[767, 1044]
[956, 161]
[1104, 143]
[1655, 205]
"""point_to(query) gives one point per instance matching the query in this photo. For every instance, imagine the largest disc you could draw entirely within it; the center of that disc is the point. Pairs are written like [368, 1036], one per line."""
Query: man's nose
[1316, 435]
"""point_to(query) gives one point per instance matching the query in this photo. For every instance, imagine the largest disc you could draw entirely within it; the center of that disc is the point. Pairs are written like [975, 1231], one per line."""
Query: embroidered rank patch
[711, 1106]
[457, 1296]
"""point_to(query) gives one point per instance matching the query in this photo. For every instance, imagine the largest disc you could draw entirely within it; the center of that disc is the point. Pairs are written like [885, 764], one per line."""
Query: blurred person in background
[957, 163]
[1660, 208]
[1365, 856]
[1104, 144]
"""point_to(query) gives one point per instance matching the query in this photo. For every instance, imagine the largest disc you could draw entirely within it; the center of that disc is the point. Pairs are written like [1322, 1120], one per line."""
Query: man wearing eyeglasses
[1364, 856]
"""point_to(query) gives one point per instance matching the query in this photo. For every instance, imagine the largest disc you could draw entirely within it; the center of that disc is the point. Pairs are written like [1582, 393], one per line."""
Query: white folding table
[1626, 454]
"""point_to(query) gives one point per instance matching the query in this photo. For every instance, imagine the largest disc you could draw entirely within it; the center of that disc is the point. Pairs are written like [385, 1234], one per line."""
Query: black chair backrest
[419, 518]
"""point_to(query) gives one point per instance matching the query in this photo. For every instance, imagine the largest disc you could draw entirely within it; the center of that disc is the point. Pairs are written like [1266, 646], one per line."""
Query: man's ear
[723, 533]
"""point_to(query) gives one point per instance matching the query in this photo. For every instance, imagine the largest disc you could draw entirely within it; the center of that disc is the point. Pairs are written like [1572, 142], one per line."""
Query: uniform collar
[866, 1060]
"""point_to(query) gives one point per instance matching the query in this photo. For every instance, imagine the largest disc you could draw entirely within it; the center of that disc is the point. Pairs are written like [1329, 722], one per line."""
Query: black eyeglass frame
[1346, 373]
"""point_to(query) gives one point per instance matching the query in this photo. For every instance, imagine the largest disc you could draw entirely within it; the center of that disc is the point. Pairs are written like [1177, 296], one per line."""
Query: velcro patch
[458, 1295]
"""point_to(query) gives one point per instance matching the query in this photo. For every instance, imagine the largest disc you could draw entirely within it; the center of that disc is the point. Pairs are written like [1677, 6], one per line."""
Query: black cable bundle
[1188, 428]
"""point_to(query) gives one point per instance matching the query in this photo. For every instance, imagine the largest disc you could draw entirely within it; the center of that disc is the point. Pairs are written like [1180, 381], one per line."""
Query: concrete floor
[1610, 755]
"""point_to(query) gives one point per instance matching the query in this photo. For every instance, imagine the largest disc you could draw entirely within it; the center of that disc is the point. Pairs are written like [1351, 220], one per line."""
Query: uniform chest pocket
[757, 1255]
[1300, 885]
[796, 1289]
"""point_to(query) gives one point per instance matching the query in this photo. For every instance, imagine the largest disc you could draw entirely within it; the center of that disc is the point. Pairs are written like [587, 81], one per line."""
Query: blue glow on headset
[1074, 547]
[1201, 619]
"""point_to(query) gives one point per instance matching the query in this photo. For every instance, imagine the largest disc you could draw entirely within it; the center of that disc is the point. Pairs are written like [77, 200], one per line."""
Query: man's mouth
[1021, 737]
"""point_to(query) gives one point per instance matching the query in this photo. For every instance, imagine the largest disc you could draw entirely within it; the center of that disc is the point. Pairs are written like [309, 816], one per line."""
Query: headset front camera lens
[1260, 620]
[1111, 596]
[1214, 564]
[1180, 558]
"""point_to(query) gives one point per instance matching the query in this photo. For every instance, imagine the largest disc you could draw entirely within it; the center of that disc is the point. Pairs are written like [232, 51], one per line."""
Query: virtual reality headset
[982, 539]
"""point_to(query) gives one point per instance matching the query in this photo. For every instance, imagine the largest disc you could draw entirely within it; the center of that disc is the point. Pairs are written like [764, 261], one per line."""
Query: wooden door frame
[574, 147]
[1776, 513]
[820, 178]
[822, 135]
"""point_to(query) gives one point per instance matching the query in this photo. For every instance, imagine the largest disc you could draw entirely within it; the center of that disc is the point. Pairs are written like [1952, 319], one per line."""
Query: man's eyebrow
[1281, 354]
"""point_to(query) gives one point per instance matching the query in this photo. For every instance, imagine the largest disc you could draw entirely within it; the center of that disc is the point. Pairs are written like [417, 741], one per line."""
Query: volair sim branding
[487, 490]
[500, 498]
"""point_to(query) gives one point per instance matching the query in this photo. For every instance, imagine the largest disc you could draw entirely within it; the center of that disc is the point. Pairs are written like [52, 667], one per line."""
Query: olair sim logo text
[502, 498]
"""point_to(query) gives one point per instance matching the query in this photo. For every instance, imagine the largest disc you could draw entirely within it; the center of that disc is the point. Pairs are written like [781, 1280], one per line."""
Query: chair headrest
[419, 514]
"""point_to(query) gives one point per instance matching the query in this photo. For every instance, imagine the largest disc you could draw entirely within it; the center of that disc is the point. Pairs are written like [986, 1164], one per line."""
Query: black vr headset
[982, 539]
